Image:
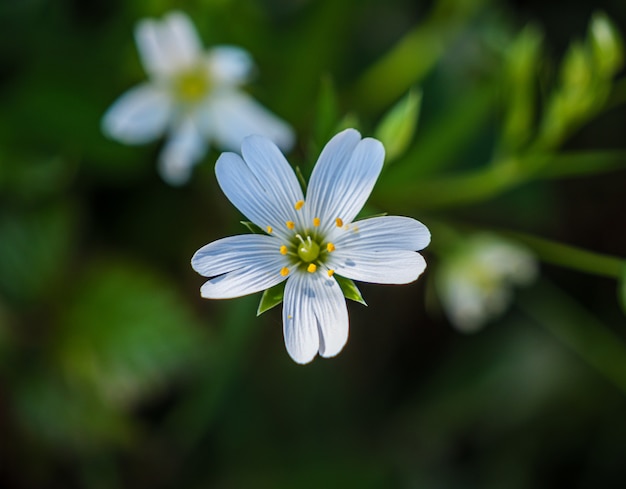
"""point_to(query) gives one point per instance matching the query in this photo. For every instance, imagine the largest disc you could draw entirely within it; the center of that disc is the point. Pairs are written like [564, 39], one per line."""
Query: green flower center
[308, 250]
[192, 85]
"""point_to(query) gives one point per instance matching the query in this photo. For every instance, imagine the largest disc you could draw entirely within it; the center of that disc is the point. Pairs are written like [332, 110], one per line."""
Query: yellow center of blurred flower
[191, 86]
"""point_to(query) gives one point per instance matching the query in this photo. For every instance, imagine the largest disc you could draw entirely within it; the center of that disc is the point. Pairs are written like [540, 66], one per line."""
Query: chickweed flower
[192, 95]
[475, 282]
[310, 242]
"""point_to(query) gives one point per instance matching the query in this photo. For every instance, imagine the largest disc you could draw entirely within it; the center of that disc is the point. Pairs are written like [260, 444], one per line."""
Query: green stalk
[571, 256]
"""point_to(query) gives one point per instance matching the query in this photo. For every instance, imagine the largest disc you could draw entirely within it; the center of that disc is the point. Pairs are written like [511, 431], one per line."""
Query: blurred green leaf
[413, 56]
[327, 112]
[523, 60]
[125, 332]
[580, 330]
[397, 127]
[438, 143]
[622, 289]
[30, 178]
[606, 44]
[349, 289]
[55, 412]
[34, 250]
[271, 297]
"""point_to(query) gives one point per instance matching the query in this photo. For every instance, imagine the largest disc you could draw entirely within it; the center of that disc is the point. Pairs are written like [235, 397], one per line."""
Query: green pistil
[308, 250]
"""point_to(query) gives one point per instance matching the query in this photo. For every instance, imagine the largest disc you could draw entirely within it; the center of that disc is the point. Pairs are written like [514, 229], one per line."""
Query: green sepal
[301, 178]
[271, 297]
[397, 128]
[349, 289]
[253, 228]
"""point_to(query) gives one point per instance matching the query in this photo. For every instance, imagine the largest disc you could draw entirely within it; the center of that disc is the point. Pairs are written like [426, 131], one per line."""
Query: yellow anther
[339, 222]
[290, 224]
[283, 250]
[331, 272]
[311, 268]
[298, 205]
[316, 221]
[330, 247]
[284, 271]
[269, 229]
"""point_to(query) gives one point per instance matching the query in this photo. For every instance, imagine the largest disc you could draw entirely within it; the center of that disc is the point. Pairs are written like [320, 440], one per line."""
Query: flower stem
[571, 256]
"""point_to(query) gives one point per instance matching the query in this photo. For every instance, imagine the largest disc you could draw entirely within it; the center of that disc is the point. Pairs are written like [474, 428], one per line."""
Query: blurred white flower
[475, 282]
[309, 241]
[192, 95]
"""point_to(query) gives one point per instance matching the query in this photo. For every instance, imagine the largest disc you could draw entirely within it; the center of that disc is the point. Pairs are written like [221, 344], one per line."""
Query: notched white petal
[243, 281]
[237, 115]
[230, 65]
[383, 233]
[384, 267]
[342, 185]
[299, 323]
[315, 317]
[235, 252]
[169, 45]
[139, 116]
[183, 150]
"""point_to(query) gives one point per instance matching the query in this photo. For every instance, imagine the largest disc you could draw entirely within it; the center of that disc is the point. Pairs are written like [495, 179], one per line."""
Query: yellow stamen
[298, 205]
[284, 271]
[316, 221]
[290, 224]
[311, 268]
[330, 247]
[270, 229]
[339, 222]
[283, 250]
[331, 272]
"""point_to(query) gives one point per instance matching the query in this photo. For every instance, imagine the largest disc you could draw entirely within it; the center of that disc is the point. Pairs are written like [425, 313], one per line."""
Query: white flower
[192, 95]
[476, 281]
[310, 240]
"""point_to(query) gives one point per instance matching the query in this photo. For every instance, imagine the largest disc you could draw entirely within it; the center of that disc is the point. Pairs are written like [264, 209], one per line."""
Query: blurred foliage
[499, 117]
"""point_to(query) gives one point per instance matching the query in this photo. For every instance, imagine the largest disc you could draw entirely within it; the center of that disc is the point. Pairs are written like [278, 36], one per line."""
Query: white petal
[383, 267]
[140, 115]
[244, 281]
[234, 115]
[344, 176]
[235, 252]
[245, 192]
[185, 147]
[239, 265]
[383, 233]
[315, 317]
[273, 172]
[168, 46]
[229, 65]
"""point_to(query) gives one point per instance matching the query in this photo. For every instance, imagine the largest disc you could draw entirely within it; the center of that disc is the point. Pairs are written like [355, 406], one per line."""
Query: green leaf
[69, 416]
[327, 112]
[622, 290]
[125, 332]
[397, 128]
[522, 63]
[253, 228]
[271, 297]
[606, 45]
[38, 240]
[349, 289]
